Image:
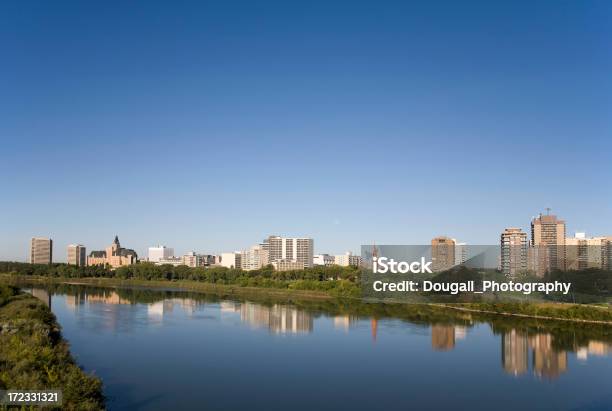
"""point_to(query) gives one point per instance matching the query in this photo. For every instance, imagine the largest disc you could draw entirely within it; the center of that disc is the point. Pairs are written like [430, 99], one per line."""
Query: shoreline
[34, 355]
[289, 295]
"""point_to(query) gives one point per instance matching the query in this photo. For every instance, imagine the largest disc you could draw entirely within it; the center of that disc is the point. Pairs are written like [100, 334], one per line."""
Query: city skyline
[457, 247]
[208, 125]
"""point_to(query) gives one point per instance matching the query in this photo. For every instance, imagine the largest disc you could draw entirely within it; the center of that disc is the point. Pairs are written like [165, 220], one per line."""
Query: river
[161, 350]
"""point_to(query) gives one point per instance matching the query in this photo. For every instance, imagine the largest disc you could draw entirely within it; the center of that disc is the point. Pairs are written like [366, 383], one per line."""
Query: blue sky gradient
[207, 126]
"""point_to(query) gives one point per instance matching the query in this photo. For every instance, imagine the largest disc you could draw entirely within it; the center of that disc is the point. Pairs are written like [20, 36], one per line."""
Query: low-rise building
[286, 265]
[175, 261]
[231, 260]
[160, 252]
[191, 259]
[324, 259]
[347, 259]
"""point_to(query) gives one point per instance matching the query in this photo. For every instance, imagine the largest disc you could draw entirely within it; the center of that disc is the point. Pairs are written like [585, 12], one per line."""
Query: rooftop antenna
[548, 210]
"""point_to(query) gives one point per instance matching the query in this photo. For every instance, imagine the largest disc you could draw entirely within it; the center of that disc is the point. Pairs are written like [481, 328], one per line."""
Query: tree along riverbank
[542, 310]
[34, 356]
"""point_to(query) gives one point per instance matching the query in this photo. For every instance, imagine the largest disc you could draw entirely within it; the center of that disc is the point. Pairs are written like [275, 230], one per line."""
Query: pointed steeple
[116, 240]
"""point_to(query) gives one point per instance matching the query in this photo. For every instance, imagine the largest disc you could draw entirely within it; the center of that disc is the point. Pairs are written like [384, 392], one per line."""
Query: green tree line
[337, 280]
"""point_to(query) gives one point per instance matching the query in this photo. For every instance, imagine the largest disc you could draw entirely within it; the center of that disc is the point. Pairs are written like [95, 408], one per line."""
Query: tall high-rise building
[299, 250]
[442, 253]
[513, 251]
[160, 252]
[460, 252]
[77, 255]
[548, 232]
[41, 250]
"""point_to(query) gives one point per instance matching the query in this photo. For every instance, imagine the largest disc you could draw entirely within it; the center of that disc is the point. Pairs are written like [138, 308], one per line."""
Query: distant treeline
[336, 279]
[591, 285]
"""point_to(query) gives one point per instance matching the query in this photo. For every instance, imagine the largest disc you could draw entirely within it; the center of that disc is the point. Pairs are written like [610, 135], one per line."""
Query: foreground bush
[33, 355]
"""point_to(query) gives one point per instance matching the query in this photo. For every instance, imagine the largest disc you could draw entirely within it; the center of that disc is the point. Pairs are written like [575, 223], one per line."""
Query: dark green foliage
[33, 355]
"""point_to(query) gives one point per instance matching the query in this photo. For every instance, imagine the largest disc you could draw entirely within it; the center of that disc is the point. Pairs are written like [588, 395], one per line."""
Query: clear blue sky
[209, 125]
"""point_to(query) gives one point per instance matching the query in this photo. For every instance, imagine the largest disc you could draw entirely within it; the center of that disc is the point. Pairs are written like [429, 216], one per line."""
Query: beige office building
[549, 232]
[41, 250]
[299, 250]
[77, 255]
[513, 251]
[254, 258]
[442, 253]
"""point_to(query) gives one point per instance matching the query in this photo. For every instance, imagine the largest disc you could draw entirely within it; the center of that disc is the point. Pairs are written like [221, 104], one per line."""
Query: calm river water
[163, 350]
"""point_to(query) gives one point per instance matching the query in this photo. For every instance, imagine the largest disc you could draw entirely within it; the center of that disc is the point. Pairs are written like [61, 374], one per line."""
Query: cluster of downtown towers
[548, 249]
[283, 253]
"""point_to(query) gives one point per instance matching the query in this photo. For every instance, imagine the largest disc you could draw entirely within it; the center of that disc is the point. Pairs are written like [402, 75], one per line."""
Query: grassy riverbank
[33, 355]
[544, 310]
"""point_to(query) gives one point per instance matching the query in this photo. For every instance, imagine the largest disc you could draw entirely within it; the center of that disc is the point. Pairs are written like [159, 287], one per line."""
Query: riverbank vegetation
[34, 356]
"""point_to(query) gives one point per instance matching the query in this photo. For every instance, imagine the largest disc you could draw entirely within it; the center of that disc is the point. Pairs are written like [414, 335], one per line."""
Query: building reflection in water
[515, 352]
[442, 337]
[548, 362]
[157, 310]
[595, 348]
[345, 322]
[42, 295]
[278, 319]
